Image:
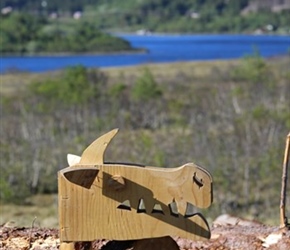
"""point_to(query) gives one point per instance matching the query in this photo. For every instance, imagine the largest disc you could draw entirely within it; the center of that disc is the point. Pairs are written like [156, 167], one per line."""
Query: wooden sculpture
[99, 200]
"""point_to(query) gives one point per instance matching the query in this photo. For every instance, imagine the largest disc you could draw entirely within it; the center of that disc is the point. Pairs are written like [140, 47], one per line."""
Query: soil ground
[223, 237]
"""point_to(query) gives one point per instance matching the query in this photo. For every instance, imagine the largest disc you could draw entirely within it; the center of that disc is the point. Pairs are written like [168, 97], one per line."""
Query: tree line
[204, 16]
[27, 34]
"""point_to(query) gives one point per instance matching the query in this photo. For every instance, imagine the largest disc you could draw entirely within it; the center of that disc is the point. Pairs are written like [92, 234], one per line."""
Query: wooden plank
[126, 202]
[96, 214]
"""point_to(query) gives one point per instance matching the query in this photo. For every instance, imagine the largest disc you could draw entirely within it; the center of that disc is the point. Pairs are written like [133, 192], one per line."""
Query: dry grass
[11, 82]
[18, 81]
[40, 211]
[168, 70]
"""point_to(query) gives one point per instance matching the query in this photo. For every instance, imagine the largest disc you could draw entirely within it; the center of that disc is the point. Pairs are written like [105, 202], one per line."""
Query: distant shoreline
[150, 50]
[59, 54]
[120, 34]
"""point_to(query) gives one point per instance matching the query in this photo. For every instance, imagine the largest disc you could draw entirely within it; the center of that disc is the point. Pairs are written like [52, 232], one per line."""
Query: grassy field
[39, 211]
[11, 82]
[42, 209]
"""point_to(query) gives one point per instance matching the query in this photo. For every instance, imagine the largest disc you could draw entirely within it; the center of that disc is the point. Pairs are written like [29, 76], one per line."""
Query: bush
[77, 85]
[146, 87]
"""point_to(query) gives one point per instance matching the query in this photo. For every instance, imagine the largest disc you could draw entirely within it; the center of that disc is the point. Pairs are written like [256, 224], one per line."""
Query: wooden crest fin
[94, 153]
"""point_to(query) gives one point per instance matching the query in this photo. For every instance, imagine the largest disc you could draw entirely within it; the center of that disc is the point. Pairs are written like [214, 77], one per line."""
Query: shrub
[146, 87]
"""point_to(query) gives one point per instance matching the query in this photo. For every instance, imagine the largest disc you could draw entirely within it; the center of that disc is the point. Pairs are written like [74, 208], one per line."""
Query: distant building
[53, 15]
[194, 15]
[6, 10]
[143, 32]
[273, 5]
[77, 15]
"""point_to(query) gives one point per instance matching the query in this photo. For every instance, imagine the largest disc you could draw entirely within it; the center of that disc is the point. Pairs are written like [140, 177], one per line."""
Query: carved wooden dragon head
[99, 200]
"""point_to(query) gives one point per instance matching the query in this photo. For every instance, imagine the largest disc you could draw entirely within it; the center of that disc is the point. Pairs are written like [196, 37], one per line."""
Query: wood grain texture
[88, 214]
[67, 246]
[94, 153]
[126, 202]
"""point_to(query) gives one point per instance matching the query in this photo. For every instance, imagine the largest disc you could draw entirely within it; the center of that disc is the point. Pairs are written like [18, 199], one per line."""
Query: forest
[49, 27]
[36, 34]
[230, 117]
[190, 16]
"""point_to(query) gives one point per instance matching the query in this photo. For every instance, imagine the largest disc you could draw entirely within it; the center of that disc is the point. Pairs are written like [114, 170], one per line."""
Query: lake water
[161, 48]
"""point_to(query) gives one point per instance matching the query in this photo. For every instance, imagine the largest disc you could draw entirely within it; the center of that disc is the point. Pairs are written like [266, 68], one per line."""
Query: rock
[229, 220]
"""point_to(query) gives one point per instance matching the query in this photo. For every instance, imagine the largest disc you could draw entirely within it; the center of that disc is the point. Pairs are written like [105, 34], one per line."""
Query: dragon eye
[197, 181]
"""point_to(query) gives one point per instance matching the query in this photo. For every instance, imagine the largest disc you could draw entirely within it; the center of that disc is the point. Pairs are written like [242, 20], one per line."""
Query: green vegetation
[33, 27]
[146, 87]
[26, 34]
[76, 86]
[231, 117]
[205, 16]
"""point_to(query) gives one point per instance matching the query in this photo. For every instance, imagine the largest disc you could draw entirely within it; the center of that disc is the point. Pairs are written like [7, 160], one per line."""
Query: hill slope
[169, 16]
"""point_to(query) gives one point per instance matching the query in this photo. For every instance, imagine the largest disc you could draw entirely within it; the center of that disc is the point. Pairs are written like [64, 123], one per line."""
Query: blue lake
[161, 48]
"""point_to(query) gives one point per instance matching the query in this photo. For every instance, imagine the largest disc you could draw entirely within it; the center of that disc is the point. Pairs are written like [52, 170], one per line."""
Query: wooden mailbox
[113, 201]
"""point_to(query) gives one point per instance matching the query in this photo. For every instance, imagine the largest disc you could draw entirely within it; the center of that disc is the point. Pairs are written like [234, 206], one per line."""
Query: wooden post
[283, 218]
[67, 246]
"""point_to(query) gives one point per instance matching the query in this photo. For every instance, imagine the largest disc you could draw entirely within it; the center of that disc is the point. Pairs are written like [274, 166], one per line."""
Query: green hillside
[37, 34]
[168, 16]
[84, 26]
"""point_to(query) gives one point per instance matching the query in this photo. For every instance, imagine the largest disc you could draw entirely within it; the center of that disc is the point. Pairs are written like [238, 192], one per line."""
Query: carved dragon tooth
[94, 153]
[173, 208]
[157, 209]
[141, 206]
[126, 205]
[190, 210]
